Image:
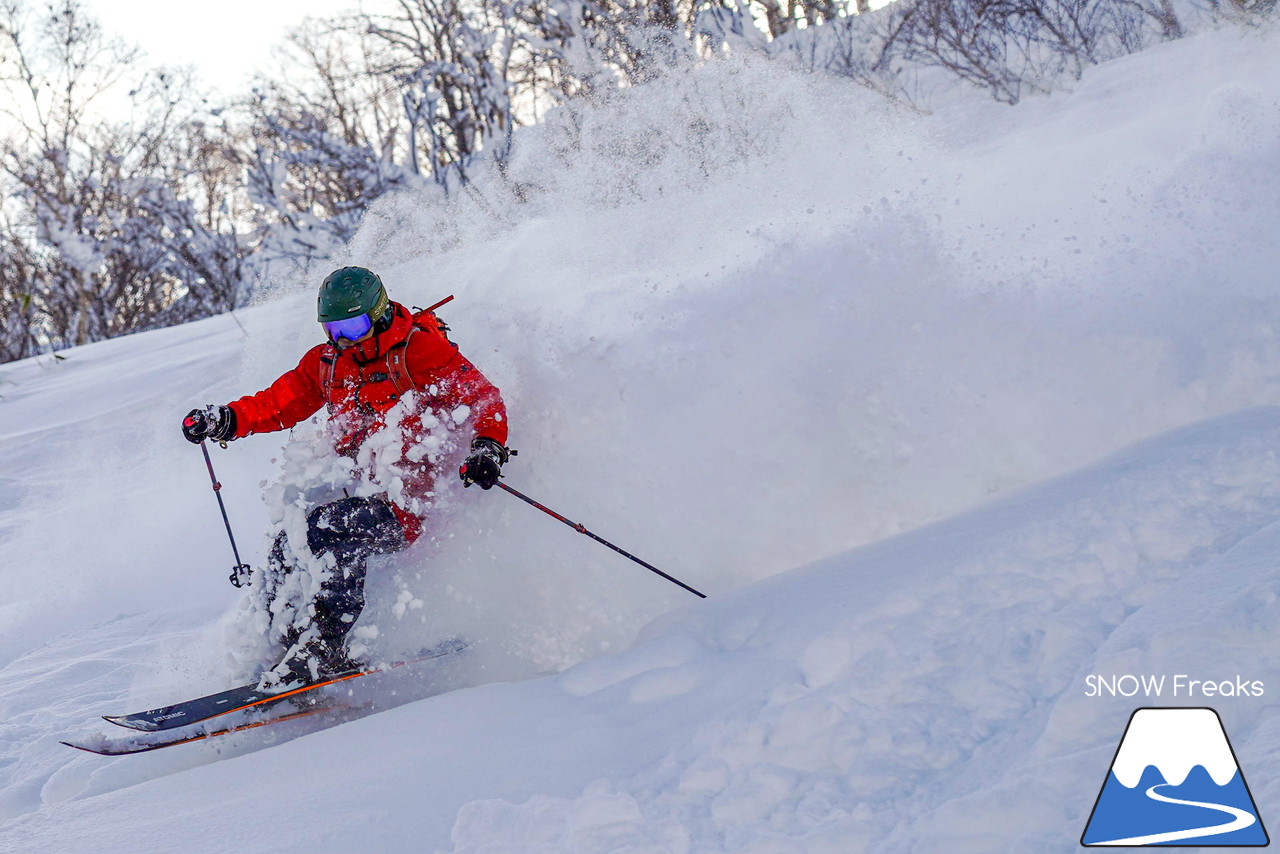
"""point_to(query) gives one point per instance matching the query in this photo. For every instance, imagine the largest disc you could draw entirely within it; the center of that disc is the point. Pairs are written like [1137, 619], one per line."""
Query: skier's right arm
[293, 397]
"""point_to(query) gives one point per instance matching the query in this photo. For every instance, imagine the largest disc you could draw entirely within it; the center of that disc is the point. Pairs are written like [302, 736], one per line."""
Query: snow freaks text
[1178, 685]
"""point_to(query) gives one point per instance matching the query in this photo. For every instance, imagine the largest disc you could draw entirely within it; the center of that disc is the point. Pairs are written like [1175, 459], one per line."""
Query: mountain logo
[1175, 781]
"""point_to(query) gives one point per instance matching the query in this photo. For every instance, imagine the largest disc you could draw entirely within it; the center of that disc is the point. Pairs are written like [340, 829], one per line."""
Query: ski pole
[240, 574]
[581, 529]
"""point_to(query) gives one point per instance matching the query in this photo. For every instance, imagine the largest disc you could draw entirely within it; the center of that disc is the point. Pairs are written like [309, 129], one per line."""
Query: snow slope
[893, 318]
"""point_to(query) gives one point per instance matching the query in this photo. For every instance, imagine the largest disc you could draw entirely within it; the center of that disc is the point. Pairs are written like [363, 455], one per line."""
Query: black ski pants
[350, 529]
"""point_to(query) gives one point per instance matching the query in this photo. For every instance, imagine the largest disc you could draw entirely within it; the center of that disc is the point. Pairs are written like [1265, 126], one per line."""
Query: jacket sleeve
[293, 397]
[436, 367]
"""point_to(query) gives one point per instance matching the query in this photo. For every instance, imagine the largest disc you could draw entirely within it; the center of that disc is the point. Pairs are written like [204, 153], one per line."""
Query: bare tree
[17, 304]
[451, 62]
[1244, 11]
[99, 206]
[1012, 47]
[321, 143]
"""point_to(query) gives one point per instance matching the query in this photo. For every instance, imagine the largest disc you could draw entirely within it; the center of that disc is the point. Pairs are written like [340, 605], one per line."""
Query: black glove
[213, 422]
[484, 465]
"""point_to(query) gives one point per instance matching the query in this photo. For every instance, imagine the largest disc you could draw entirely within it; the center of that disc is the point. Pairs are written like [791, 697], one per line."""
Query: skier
[377, 352]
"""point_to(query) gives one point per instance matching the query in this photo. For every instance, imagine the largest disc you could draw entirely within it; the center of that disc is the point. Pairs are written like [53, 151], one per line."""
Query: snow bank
[913, 696]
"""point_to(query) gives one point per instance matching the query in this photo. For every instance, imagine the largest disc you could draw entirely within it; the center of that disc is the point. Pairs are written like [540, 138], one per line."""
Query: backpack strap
[329, 359]
[398, 363]
[398, 356]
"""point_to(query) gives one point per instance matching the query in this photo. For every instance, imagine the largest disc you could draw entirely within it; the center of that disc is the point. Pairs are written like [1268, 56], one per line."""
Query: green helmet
[351, 292]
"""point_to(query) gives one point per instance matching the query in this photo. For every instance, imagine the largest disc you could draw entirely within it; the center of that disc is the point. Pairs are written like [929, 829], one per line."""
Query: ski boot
[308, 662]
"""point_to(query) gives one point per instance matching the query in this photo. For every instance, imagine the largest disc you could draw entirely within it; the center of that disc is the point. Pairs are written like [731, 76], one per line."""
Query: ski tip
[118, 748]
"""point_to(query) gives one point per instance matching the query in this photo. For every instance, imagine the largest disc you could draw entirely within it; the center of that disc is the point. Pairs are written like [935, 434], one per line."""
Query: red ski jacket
[361, 383]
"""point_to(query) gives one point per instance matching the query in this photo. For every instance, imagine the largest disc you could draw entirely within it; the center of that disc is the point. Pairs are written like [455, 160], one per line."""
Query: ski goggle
[351, 329]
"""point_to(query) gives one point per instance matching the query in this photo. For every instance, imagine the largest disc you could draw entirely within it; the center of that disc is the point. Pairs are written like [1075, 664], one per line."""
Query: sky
[233, 39]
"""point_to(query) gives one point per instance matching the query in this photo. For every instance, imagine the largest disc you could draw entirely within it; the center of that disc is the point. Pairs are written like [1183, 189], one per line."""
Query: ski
[105, 747]
[249, 697]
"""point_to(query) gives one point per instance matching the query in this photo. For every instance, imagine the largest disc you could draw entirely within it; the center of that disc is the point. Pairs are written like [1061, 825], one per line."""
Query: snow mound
[928, 693]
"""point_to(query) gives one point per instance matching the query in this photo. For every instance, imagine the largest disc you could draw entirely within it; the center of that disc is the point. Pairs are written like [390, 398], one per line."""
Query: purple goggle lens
[351, 328]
